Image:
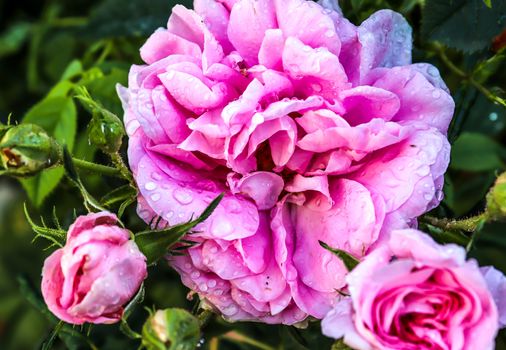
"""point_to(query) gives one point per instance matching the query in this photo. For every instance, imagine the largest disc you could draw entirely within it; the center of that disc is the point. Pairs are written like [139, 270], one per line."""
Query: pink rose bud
[428, 297]
[95, 274]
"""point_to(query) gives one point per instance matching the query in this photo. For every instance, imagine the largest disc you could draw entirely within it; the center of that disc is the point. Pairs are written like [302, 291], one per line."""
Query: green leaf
[488, 3]
[348, 260]
[466, 25]
[154, 244]
[476, 152]
[119, 194]
[13, 38]
[113, 18]
[340, 345]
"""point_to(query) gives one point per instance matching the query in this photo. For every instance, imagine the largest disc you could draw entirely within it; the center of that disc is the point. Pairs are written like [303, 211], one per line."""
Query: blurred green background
[43, 42]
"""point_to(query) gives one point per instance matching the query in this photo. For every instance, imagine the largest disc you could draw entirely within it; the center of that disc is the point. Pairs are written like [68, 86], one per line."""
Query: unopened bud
[496, 199]
[106, 132]
[27, 149]
[171, 329]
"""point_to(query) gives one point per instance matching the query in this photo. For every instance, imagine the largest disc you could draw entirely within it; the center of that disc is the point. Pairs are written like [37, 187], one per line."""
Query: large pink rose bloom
[429, 297]
[314, 128]
[95, 274]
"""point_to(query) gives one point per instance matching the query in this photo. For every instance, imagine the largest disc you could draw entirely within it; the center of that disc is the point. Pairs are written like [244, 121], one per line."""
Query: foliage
[51, 51]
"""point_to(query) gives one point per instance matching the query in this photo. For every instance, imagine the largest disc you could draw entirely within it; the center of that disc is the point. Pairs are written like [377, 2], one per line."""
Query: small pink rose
[428, 297]
[95, 274]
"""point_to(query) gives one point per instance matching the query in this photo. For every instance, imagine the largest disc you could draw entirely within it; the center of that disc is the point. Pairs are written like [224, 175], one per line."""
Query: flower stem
[468, 77]
[122, 168]
[241, 338]
[96, 168]
[468, 225]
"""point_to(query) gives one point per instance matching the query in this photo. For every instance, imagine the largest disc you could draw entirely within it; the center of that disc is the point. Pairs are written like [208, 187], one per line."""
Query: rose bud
[27, 149]
[496, 198]
[428, 297]
[106, 131]
[171, 329]
[95, 274]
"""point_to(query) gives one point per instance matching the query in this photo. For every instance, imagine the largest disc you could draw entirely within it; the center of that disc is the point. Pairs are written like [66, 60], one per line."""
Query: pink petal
[364, 103]
[297, 18]
[248, 22]
[163, 190]
[386, 41]
[262, 186]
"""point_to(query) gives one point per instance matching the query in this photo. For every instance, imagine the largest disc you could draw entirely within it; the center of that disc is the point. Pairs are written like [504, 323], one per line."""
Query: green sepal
[155, 244]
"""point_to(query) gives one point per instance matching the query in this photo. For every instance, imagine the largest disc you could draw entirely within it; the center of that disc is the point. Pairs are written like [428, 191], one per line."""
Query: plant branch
[467, 225]
[97, 168]
[468, 77]
[237, 337]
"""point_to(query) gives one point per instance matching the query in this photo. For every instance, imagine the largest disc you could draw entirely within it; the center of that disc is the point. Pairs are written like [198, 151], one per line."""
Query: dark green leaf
[340, 345]
[12, 39]
[155, 244]
[476, 152]
[348, 260]
[467, 25]
[119, 194]
[129, 18]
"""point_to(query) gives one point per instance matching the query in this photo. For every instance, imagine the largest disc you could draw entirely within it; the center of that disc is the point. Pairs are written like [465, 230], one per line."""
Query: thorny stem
[467, 225]
[468, 77]
[121, 166]
[97, 168]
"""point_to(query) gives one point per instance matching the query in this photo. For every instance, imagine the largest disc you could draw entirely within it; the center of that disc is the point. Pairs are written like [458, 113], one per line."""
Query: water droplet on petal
[150, 186]
[183, 196]
[221, 227]
[155, 197]
[211, 283]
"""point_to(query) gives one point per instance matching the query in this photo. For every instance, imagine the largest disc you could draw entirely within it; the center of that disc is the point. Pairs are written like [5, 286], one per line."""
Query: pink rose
[314, 128]
[427, 297]
[95, 274]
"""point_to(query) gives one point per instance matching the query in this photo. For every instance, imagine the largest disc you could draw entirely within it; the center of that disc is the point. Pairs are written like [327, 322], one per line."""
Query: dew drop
[221, 227]
[155, 197]
[156, 176]
[183, 196]
[150, 186]
[211, 283]
[316, 87]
